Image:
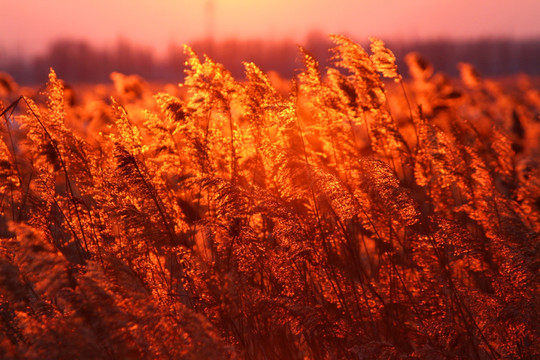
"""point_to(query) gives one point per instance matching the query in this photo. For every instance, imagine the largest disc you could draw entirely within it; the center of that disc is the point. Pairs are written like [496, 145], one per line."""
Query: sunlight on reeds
[350, 217]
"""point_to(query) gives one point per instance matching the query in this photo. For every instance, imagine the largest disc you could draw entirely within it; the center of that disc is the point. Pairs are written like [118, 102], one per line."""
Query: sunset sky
[28, 26]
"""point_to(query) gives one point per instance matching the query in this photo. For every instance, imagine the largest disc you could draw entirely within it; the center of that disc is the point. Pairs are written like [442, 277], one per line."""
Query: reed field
[358, 211]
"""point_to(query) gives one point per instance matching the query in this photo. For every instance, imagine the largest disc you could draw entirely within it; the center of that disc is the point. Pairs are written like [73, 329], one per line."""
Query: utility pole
[210, 20]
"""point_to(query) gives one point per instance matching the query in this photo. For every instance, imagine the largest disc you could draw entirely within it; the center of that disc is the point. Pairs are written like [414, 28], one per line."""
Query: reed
[352, 218]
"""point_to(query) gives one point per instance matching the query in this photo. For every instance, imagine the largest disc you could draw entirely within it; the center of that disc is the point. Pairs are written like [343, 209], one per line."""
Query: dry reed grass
[349, 219]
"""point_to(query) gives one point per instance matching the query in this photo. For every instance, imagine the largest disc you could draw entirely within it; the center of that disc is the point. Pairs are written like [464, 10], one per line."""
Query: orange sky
[27, 26]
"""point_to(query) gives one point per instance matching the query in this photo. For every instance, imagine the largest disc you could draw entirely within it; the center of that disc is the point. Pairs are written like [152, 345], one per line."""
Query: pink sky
[27, 26]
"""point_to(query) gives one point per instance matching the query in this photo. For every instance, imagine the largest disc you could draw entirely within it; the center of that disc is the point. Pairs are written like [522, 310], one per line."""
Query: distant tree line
[78, 61]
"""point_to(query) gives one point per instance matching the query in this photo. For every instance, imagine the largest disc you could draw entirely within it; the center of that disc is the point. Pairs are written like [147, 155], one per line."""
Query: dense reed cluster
[344, 218]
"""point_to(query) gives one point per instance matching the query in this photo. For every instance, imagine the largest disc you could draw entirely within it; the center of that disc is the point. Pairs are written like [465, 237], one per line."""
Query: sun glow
[33, 24]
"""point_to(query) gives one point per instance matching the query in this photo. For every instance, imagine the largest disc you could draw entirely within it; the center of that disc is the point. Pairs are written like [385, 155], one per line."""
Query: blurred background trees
[77, 61]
